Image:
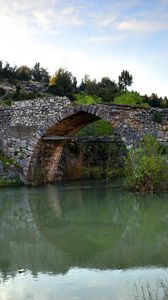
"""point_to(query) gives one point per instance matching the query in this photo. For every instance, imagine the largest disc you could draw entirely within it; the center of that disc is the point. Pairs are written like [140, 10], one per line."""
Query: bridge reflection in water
[86, 226]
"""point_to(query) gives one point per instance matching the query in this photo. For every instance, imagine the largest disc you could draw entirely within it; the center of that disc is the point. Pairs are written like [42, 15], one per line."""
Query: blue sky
[99, 38]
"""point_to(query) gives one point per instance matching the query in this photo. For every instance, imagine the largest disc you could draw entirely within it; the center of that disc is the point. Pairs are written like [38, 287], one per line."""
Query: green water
[82, 240]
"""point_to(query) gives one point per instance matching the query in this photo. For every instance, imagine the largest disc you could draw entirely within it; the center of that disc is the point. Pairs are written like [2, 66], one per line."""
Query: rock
[11, 174]
[22, 163]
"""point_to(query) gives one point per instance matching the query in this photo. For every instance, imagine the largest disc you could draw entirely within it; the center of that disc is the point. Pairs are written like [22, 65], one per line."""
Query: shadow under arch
[45, 156]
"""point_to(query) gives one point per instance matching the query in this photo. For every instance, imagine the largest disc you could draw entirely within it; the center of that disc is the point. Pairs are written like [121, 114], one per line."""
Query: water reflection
[85, 226]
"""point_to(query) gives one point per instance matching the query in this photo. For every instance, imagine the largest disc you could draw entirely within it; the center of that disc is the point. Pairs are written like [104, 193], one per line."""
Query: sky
[95, 37]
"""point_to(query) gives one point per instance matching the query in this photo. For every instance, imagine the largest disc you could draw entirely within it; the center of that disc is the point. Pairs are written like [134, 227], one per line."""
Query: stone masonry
[26, 123]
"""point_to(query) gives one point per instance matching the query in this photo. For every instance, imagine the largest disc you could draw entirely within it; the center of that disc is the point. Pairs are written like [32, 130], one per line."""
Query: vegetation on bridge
[24, 83]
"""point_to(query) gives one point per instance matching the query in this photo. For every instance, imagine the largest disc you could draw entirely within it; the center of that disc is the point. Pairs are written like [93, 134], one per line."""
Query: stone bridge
[25, 126]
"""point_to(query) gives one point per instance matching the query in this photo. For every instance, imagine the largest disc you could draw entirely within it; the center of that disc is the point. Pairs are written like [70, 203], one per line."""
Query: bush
[86, 99]
[130, 98]
[157, 117]
[20, 95]
[7, 162]
[146, 167]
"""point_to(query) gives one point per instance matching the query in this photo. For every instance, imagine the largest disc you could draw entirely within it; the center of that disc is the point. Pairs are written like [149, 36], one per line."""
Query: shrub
[146, 167]
[7, 162]
[130, 98]
[86, 99]
[157, 117]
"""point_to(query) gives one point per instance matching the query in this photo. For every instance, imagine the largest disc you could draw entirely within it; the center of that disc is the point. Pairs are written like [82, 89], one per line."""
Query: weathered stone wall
[24, 125]
[20, 122]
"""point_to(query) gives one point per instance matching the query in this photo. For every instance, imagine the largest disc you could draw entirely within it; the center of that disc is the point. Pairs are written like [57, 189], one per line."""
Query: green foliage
[86, 99]
[24, 95]
[99, 172]
[130, 98]
[157, 117]
[7, 71]
[23, 73]
[101, 160]
[154, 101]
[20, 95]
[10, 182]
[7, 162]
[88, 86]
[124, 80]
[39, 73]
[147, 167]
[107, 89]
[63, 83]
[97, 128]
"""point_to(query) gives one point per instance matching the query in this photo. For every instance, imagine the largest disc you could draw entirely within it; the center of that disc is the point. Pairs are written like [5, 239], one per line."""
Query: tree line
[23, 73]
[64, 83]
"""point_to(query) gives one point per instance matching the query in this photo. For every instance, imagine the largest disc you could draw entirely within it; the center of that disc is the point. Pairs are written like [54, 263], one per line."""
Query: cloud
[106, 39]
[129, 20]
[50, 18]
[42, 19]
[106, 20]
[46, 15]
[144, 26]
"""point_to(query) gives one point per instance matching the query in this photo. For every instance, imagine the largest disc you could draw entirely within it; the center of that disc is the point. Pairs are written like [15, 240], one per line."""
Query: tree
[154, 100]
[165, 102]
[107, 89]
[23, 73]
[39, 73]
[63, 83]
[88, 86]
[9, 72]
[124, 80]
[1, 68]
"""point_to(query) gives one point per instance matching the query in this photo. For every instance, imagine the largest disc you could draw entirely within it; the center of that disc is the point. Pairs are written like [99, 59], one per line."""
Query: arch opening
[46, 155]
[45, 158]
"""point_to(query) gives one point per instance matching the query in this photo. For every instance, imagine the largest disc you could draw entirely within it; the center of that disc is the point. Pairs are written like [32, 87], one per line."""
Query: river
[83, 240]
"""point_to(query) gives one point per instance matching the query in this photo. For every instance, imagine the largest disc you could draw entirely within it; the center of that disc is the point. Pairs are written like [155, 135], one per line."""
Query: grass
[158, 291]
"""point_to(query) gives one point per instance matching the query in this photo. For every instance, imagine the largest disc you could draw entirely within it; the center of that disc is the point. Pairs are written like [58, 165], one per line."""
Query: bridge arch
[45, 156]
